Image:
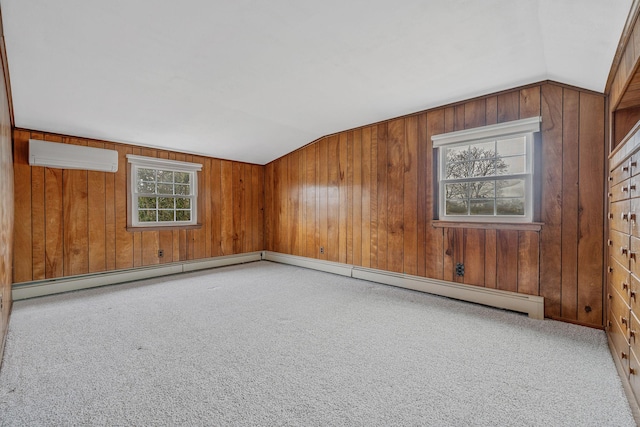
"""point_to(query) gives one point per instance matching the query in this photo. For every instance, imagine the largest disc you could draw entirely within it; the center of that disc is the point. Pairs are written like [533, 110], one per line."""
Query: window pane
[455, 191]
[164, 216]
[183, 203]
[510, 188]
[146, 187]
[146, 175]
[147, 202]
[165, 189]
[512, 147]
[147, 216]
[482, 168]
[183, 215]
[481, 207]
[457, 207]
[511, 165]
[510, 206]
[483, 150]
[182, 189]
[165, 202]
[481, 189]
[165, 176]
[182, 177]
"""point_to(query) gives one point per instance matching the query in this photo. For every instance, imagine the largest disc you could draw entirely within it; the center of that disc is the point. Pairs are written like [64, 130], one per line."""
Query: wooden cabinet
[623, 271]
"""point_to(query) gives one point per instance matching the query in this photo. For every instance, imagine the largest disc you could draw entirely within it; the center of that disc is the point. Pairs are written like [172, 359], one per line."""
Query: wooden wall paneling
[423, 213]
[357, 197]
[96, 216]
[459, 117]
[491, 110]
[22, 248]
[38, 218]
[205, 197]
[365, 247]
[342, 198]
[453, 253]
[323, 199]
[528, 262]
[199, 236]
[382, 197]
[124, 239]
[508, 106]
[551, 209]
[435, 250]
[175, 234]
[165, 237]
[570, 186]
[302, 190]
[54, 238]
[529, 102]
[623, 122]
[410, 197]
[507, 260]
[374, 201]
[180, 239]
[238, 207]
[449, 119]
[474, 256]
[247, 217]
[215, 192]
[475, 113]
[310, 206]
[110, 215]
[137, 235]
[268, 204]
[591, 219]
[149, 240]
[490, 259]
[257, 207]
[333, 199]
[350, 201]
[190, 234]
[227, 223]
[395, 195]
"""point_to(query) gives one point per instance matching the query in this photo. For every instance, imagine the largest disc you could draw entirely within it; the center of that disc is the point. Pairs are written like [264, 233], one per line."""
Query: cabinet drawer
[620, 215]
[620, 172]
[634, 295]
[633, 334]
[618, 277]
[619, 246]
[633, 163]
[634, 255]
[620, 344]
[634, 211]
[633, 373]
[620, 191]
[620, 309]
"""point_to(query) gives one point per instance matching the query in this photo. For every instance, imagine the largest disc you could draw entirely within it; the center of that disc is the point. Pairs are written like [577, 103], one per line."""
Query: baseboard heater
[39, 288]
[530, 304]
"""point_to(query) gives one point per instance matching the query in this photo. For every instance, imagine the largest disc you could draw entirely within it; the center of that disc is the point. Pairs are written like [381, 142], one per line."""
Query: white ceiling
[253, 80]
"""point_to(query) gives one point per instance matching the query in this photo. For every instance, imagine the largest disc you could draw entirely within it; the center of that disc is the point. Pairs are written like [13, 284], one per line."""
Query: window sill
[165, 228]
[522, 226]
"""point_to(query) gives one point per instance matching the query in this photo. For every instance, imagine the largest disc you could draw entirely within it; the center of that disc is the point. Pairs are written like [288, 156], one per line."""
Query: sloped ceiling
[250, 80]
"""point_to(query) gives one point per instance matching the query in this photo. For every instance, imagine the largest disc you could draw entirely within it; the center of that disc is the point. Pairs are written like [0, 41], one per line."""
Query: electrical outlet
[460, 269]
[160, 253]
[321, 249]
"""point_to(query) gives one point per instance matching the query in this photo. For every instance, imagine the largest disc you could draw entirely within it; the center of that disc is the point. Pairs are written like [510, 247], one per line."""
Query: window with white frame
[163, 192]
[486, 174]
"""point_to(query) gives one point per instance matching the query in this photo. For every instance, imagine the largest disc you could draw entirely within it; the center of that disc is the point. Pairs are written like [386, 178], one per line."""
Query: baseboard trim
[40, 288]
[530, 304]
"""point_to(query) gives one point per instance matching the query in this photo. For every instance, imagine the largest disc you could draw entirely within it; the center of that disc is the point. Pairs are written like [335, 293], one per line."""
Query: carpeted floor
[268, 344]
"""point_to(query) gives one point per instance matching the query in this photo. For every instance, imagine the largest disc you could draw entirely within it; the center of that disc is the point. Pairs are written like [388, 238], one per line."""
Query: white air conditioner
[67, 156]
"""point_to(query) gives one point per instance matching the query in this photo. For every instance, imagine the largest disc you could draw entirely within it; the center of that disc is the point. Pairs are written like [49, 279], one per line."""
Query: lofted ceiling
[250, 80]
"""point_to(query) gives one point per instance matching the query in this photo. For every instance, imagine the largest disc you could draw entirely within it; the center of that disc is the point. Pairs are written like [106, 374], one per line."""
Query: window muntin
[163, 192]
[487, 179]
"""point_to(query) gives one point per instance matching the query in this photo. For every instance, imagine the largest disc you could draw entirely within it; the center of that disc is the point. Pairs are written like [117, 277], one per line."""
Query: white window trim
[164, 164]
[524, 127]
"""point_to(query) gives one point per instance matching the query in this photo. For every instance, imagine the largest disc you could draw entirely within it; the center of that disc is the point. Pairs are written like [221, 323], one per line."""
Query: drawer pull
[610, 215]
[632, 371]
[632, 255]
[632, 294]
[624, 216]
[609, 242]
[632, 216]
[624, 250]
[610, 178]
[625, 168]
[610, 194]
[632, 187]
[625, 286]
[624, 355]
[624, 320]
[632, 334]
[610, 269]
[625, 189]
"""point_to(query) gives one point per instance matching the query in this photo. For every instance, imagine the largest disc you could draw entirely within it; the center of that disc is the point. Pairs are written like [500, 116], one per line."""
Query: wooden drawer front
[621, 172]
[620, 309]
[619, 215]
[634, 212]
[618, 277]
[633, 334]
[619, 247]
[634, 295]
[634, 255]
[620, 344]
[619, 191]
[633, 163]
[633, 373]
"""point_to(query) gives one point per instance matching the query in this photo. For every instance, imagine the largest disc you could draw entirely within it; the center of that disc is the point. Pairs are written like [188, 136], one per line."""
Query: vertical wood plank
[342, 201]
[570, 178]
[333, 196]
[110, 215]
[366, 197]
[591, 219]
[410, 196]
[507, 260]
[395, 197]
[530, 102]
[491, 113]
[268, 206]
[247, 217]
[38, 217]
[257, 203]
[216, 208]
[96, 216]
[54, 237]
[490, 259]
[435, 237]
[475, 113]
[323, 199]
[22, 249]
[423, 216]
[311, 199]
[226, 200]
[458, 119]
[551, 209]
[349, 190]
[508, 106]
[382, 197]
[357, 197]
[528, 262]
[237, 230]
[474, 256]
[293, 202]
[205, 184]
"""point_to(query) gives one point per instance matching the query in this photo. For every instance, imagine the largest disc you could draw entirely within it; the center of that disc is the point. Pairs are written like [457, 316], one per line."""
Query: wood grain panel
[349, 190]
[491, 110]
[475, 113]
[529, 102]
[507, 260]
[237, 207]
[215, 190]
[434, 249]
[97, 207]
[508, 106]
[22, 247]
[423, 216]
[395, 196]
[373, 201]
[333, 199]
[528, 262]
[382, 175]
[342, 198]
[323, 177]
[366, 198]
[54, 232]
[310, 206]
[474, 256]
[227, 207]
[357, 197]
[591, 175]
[490, 259]
[410, 197]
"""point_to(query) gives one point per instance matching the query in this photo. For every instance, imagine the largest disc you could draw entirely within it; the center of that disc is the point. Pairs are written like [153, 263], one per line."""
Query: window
[163, 192]
[486, 174]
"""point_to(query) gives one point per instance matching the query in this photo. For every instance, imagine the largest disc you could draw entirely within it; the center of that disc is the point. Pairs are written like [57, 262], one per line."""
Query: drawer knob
[624, 250]
[632, 334]
[610, 215]
[624, 321]
[624, 355]
[610, 178]
[625, 189]
[624, 216]
[610, 194]
[610, 269]
[625, 286]
[632, 255]
[632, 371]
[632, 216]
[609, 242]
[632, 187]
[625, 168]
[632, 294]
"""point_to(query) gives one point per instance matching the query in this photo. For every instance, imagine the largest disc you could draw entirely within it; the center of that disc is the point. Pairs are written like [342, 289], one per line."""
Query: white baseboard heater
[530, 304]
[55, 286]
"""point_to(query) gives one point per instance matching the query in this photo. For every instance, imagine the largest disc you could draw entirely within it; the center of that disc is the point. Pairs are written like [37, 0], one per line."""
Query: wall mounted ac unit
[67, 156]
